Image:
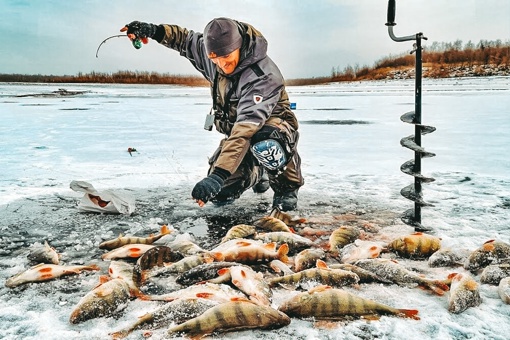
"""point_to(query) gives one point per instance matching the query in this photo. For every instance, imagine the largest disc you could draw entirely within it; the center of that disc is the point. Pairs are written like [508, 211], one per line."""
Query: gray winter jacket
[259, 91]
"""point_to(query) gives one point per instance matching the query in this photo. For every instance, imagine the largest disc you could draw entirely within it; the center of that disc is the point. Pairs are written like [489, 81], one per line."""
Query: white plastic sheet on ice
[106, 201]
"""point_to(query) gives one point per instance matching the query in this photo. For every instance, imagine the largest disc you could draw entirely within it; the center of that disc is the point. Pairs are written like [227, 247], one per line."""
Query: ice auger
[412, 167]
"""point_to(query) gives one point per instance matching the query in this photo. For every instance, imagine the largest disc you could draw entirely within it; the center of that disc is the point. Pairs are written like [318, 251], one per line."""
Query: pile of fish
[230, 286]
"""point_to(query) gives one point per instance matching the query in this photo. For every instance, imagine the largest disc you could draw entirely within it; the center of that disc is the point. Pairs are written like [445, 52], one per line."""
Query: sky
[307, 38]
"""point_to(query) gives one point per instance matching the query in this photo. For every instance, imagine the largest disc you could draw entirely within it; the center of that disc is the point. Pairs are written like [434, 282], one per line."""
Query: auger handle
[391, 22]
[391, 13]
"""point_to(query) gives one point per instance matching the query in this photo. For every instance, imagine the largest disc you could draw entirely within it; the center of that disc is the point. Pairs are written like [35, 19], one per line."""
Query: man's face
[227, 63]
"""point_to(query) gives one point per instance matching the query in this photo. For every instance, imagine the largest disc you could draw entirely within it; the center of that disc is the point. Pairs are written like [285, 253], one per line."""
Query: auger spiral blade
[408, 218]
[412, 167]
[408, 169]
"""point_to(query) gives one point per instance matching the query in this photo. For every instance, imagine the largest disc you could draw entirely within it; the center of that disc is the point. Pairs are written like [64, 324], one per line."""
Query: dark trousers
[250, 172]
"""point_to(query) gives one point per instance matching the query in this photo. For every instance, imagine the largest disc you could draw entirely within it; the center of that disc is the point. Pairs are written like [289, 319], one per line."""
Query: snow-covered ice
[351, 156]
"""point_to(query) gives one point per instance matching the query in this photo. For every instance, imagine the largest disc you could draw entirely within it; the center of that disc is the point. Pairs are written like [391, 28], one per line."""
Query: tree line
[437, 58]
[121, 77]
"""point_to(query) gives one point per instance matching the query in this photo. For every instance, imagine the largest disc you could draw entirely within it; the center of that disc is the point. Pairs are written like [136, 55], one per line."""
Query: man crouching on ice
[250, 106]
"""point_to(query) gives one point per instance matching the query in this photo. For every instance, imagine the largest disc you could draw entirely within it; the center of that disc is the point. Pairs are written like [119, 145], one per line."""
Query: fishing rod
[137, 43]
[412, 167]
[113, 36]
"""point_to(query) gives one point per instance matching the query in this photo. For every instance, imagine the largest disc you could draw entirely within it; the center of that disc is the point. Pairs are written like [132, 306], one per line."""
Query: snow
[351, 156]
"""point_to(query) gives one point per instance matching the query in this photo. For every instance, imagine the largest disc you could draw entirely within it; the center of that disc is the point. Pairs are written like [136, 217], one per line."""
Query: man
[250, 106]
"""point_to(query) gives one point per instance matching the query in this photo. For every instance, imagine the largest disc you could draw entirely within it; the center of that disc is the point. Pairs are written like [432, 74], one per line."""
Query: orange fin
[437, 287]
[270, 245]
[103, 279]
[165, 230]
[282, 253]
[318, 289]
[471, 285]
[240, 299]
[204, 295]
[218, 256]
[326, 246]
[45, 270]
[372, 317]
[136, 292]
[321, 264]
[147, 334]
[144, 297]
[409, 313]
[326, 324]
[223, 271]
[135, 252]
[488, 246]
[93, 267]
[452, 275]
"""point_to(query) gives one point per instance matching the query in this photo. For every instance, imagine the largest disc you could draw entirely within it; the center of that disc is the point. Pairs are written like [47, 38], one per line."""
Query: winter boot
[286, 200]
[263, 184]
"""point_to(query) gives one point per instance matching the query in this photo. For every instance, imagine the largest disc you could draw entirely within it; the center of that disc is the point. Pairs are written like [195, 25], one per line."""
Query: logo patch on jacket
[257, 98]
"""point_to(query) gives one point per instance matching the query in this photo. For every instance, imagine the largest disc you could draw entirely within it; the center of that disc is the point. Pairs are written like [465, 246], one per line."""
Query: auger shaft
[413, 167]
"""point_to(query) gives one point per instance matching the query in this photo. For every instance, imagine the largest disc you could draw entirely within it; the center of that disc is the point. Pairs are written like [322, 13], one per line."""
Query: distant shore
[407, 72]
[440, 60]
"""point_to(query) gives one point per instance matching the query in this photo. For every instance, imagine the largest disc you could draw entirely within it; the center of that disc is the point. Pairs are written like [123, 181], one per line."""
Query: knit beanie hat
[221, 37]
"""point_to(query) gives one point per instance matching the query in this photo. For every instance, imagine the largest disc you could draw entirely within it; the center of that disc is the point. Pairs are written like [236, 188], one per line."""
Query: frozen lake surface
[351, 156]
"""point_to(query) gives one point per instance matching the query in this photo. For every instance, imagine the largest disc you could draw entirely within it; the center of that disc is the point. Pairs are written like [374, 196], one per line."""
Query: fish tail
[119, 335]
[282, 253]
[142, 277]
[144, 297]
[123, 333]
[92, 267]
[437, 287]
[299, 220]
[165, 230]
[409, 313]
[135, 292]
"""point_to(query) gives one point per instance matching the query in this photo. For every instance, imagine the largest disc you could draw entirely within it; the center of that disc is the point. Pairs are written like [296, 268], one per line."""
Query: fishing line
[137, 43]
[163, 153]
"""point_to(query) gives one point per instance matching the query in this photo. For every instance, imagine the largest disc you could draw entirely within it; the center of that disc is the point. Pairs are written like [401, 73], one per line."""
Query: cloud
[306, 38]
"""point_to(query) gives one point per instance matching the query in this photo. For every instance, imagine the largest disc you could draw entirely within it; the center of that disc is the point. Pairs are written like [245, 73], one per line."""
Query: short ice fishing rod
[412, 167]
[137, 42]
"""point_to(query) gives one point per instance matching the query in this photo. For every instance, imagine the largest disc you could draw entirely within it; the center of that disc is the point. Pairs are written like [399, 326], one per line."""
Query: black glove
[210, 186]
[207, 188]
[141, 29]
